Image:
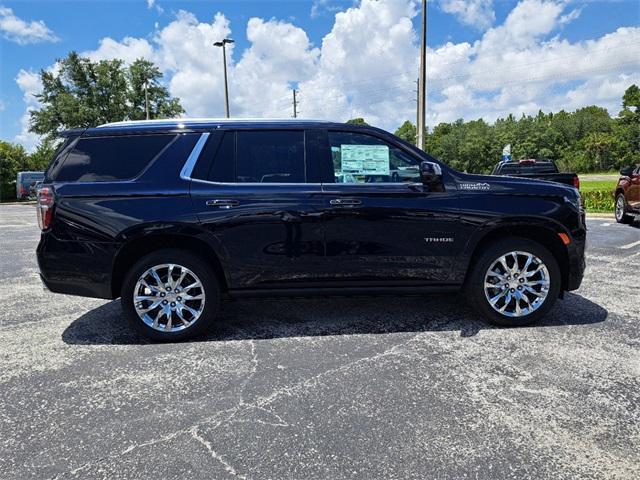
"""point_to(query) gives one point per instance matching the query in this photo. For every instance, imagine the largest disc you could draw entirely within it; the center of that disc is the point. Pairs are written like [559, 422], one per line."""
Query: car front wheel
[514, 282]
[621, 209]
[170, 295]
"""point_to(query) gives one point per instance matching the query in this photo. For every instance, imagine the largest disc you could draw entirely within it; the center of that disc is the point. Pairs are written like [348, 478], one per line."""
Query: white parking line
[630, 245]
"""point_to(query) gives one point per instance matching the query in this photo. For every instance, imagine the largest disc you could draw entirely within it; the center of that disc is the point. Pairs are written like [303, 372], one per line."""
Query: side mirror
[431, 176]
[626, 171]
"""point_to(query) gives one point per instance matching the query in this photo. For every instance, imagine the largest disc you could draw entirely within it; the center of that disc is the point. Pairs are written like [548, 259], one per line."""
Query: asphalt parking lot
[328, 388]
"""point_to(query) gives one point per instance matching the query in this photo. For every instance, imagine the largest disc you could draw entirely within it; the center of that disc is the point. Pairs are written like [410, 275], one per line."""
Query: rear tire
[177, 296]
[503, 278]
[621, 210]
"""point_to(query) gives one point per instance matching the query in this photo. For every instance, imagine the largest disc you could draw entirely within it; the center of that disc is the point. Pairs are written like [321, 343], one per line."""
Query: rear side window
[270, 156]
[103, 159]
[222, 168]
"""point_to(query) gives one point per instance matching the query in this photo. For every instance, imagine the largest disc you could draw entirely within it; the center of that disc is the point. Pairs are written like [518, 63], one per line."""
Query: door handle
[345, 202]
[223, 203]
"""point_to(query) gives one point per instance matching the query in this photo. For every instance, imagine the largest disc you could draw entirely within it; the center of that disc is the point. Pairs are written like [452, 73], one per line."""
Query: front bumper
[577, 263]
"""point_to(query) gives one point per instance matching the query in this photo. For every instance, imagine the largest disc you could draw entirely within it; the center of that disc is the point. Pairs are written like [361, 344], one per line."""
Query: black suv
[174, 215]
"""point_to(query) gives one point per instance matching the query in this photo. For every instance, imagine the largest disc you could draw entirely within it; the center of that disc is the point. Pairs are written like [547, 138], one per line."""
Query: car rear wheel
[621, 210]
[514, 282]
[170, 295]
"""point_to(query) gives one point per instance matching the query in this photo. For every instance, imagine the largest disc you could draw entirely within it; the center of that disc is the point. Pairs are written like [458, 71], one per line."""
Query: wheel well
[136, 249]
[544, 236]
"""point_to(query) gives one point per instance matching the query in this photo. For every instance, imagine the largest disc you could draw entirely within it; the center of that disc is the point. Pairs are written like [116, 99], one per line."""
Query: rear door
[381, 224]
[256, 192]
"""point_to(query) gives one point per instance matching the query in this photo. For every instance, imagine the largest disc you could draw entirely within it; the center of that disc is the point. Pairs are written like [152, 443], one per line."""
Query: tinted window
[110, 158]
[362, 158]
[275, 156]
[222, 167]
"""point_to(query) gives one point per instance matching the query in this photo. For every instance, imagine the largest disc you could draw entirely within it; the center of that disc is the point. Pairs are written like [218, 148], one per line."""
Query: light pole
[224, 64]
[422, 90]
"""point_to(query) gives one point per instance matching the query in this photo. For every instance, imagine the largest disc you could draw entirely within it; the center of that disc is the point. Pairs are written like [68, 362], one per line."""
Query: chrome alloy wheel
[169, 297]
[619, 207]
[516, 284]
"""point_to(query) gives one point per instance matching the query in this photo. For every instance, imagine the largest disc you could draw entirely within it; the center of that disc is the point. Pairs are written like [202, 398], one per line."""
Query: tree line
[81, 93]
[586, 140]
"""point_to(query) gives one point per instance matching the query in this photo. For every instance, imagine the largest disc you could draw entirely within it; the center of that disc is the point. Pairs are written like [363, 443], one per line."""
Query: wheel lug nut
[513, 290]
[519, 288]
[179, 299]
[164, 302]
[162, 294]
[173, 304]
[168, 288]
[522, 280]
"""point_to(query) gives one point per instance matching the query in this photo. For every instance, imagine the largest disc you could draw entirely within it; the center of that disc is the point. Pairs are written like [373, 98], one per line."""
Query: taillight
[576, 182]
[45, 207]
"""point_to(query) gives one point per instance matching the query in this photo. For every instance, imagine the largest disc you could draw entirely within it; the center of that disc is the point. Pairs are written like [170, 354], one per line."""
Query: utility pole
[295, 104]
[146, 98]
[223, 44]
[422, 88]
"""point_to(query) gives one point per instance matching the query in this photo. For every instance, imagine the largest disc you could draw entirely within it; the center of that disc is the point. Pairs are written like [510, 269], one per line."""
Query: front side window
[103, 159]
[362, 158]
[270, 156]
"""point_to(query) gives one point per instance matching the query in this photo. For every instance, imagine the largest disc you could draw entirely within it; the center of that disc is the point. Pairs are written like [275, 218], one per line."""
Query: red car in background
[628, 194]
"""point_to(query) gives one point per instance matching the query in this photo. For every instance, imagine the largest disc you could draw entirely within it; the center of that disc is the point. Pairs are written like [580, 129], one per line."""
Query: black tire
[621, 214]
[474, 286]
[195, 264]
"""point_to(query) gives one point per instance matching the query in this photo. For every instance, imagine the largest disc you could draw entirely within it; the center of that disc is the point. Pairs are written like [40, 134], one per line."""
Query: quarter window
[270, 156]
[361, 158]
[103, 159]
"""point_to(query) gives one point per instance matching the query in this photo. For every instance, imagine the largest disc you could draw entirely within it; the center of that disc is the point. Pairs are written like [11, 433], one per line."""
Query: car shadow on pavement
[297, 317]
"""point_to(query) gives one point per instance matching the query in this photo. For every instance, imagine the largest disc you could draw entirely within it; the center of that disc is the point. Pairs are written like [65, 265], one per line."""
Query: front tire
[621, 210]
[170, 295]
[514, 282]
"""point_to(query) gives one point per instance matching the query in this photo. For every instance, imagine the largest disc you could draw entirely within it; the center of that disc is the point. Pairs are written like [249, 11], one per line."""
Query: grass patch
[598, 200]
[587, 185]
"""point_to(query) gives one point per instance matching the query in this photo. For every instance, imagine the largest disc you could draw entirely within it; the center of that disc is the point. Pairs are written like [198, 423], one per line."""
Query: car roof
[201, 124]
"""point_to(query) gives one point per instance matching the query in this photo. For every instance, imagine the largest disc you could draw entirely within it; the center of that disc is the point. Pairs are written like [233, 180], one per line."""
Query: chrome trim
[187, 169]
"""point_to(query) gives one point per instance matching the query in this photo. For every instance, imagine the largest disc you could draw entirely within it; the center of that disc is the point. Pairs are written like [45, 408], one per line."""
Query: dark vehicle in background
[539, 169]
[25, 184]
[627, 194]
[172, 216]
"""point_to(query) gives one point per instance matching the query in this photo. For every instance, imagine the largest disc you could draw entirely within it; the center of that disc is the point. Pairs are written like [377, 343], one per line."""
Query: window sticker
[365, 159]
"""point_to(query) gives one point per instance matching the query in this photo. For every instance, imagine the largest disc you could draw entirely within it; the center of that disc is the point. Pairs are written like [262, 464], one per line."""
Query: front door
[381, 224]
[251, 193]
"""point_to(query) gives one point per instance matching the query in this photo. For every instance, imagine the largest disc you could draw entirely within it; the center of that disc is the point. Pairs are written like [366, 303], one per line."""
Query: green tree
[43, 154]
[13, 158]
[407, 131]
[357, 121]
[82, 93]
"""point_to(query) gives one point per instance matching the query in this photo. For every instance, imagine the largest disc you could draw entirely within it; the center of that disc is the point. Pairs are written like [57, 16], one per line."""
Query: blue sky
[471, 43]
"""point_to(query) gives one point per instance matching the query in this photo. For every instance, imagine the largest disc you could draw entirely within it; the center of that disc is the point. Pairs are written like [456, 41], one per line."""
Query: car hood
[515, 185]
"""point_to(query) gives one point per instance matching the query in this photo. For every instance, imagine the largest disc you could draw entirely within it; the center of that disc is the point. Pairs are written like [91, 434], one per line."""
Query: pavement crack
[207, 445]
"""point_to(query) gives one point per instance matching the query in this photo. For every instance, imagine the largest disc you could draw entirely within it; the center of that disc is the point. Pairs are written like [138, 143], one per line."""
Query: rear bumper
[76, 268]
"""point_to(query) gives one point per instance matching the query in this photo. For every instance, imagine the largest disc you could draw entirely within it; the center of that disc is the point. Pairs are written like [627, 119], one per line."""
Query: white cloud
[368, 63]
[30, 86]
[21, 32]
[154, 4]
[477, 13]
